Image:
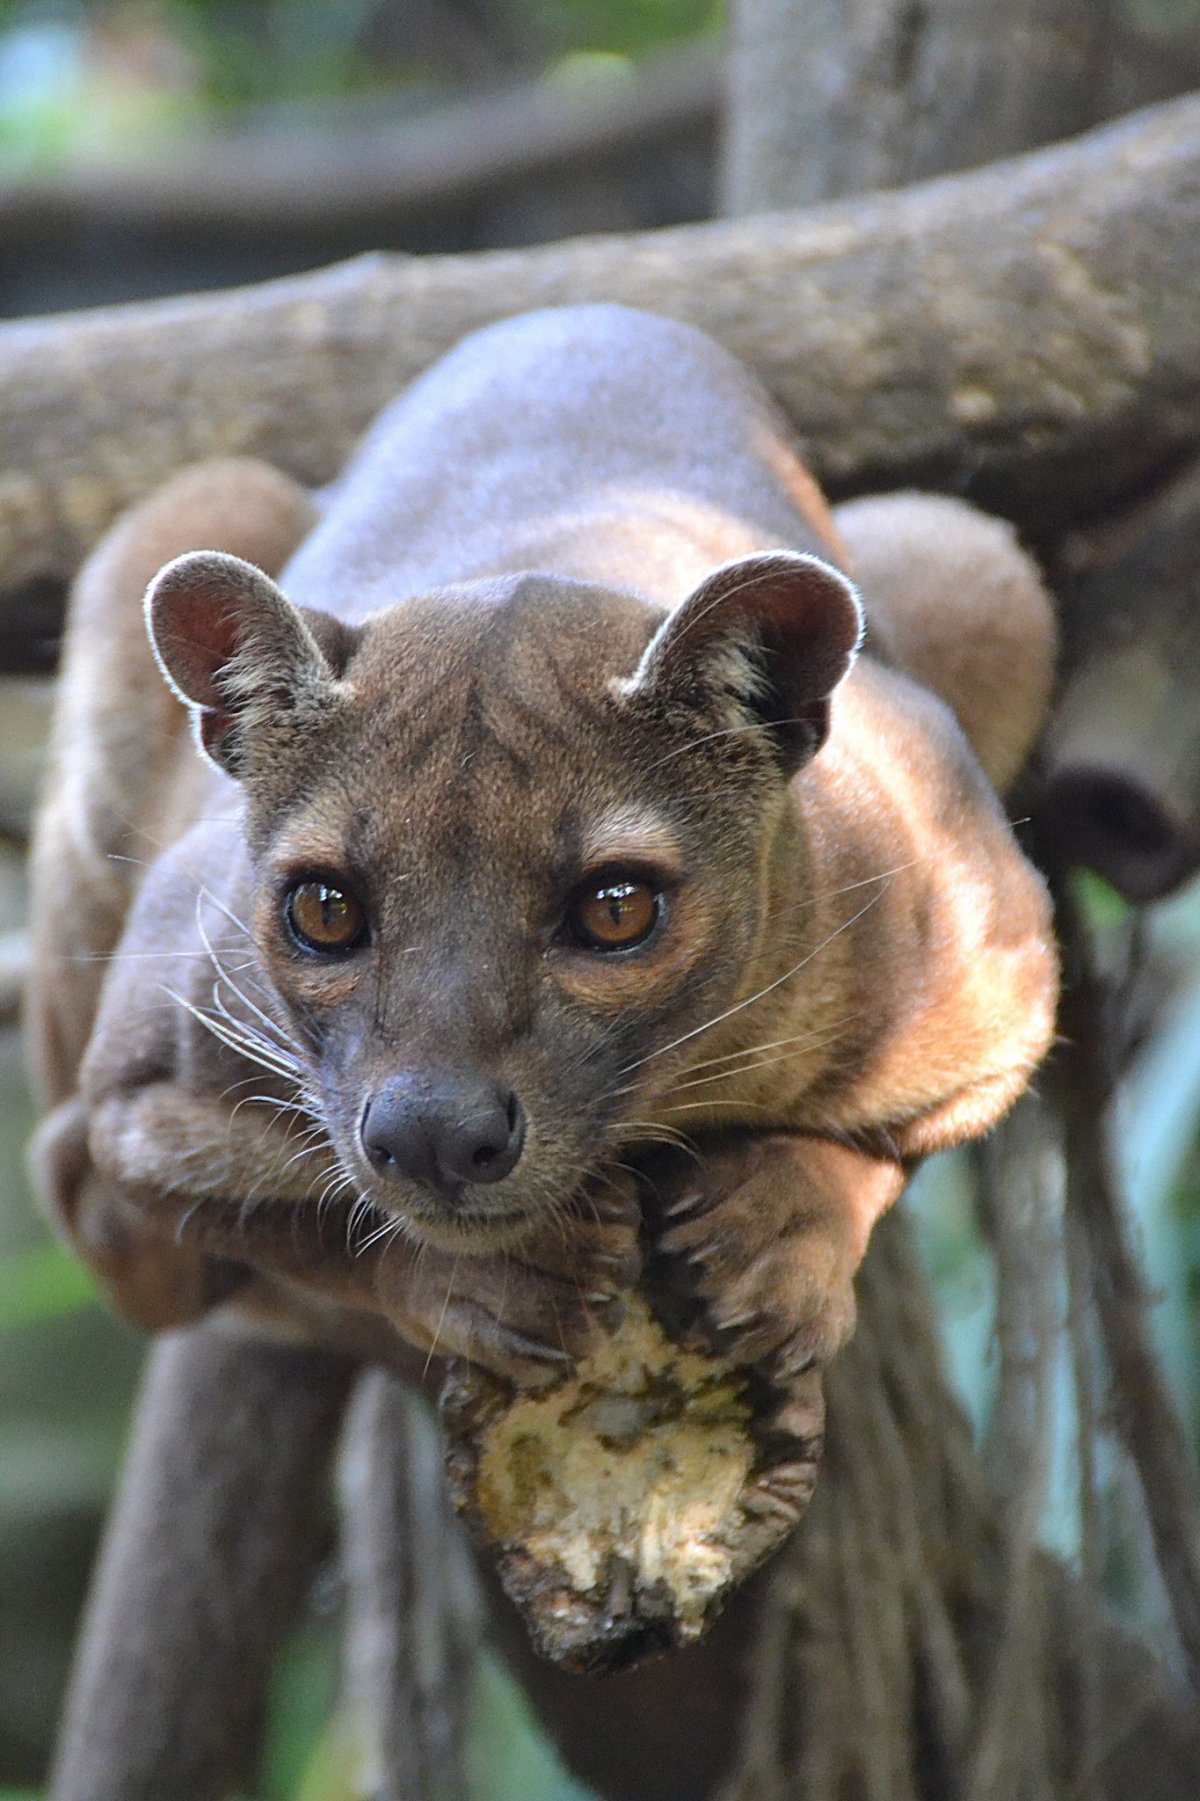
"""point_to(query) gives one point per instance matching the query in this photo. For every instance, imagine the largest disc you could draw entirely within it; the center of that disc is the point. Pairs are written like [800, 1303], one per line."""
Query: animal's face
[509, 847]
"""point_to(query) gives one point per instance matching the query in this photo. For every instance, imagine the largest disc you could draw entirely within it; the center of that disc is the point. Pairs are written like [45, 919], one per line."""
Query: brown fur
[513, 665]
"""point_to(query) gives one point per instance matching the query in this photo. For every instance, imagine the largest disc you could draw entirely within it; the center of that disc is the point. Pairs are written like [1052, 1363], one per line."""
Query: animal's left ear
[771, 634]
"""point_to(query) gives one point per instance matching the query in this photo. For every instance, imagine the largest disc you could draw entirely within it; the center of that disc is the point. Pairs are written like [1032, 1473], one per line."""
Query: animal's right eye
[614, 915]
[324, 919]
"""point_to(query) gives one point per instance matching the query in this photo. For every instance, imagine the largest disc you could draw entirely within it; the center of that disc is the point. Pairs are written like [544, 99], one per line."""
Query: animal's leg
[208, 1545]
[191, 1189]
[761, 1240]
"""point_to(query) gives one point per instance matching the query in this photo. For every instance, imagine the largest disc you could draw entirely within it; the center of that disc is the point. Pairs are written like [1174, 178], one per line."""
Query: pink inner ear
[801, 609]
[197, 610]
[811, 616]
[196, 632]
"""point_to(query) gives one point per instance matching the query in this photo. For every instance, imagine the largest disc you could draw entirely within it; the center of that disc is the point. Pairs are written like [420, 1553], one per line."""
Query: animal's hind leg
[207, 1548]
[954, 601]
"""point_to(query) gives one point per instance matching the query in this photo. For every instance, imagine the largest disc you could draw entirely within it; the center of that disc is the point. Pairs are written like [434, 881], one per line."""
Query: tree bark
[982, 333]
[412, 1605]
[914, 1648]
[880, 92]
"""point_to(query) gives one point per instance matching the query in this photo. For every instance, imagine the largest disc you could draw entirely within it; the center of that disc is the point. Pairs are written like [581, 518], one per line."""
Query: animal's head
[509, 847]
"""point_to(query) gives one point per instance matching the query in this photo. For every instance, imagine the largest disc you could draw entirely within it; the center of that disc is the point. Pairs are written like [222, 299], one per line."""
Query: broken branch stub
[623, 1506]
[1122, 753]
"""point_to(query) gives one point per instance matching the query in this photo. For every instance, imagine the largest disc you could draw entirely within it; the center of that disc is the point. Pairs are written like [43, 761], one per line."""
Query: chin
[467, 1233]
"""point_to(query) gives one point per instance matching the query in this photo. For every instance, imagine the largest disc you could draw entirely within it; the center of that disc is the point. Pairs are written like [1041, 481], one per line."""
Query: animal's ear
[237, 651]
[771, 634]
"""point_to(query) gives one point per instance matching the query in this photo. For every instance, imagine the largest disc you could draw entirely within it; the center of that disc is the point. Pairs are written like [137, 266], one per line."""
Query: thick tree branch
[215, 1525]
[413, 1611]
[983, 331]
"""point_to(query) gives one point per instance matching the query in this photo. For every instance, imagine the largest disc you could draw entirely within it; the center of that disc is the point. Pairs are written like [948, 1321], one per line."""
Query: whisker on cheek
[653, 1131]
[437, 1334]
[752, 1063]
[760, 994]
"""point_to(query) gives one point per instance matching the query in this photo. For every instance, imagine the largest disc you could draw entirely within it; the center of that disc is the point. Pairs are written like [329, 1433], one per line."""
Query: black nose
[444, 1129]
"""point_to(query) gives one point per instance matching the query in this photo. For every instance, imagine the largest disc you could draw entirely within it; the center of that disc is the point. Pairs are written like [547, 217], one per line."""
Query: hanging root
[916, 1642]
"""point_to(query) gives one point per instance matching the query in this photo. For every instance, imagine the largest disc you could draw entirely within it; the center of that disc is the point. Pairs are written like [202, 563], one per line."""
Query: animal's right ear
[236, 650]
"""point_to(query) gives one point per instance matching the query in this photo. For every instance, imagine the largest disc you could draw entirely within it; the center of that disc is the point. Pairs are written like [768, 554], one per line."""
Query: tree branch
[981, 331]
[893, 92]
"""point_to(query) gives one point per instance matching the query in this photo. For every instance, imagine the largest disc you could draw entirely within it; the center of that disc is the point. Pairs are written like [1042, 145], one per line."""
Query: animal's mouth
[467, 1230]
[465, 1217]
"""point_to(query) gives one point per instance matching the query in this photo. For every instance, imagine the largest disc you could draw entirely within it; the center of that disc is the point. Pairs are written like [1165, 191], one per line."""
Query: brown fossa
[548, 809]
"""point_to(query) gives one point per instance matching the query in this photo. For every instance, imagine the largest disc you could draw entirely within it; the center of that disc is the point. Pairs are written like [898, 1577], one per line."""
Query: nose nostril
[443, 1131]
[380, 1156]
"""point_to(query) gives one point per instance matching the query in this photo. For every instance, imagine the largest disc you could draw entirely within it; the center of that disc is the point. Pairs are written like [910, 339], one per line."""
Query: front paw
[757, 1245]
[530, 1313]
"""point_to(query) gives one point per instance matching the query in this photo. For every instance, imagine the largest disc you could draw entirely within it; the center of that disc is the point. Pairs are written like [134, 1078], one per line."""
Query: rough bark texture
[914, 1645]
[1143, 1413]
[881, 92]
[983, 332]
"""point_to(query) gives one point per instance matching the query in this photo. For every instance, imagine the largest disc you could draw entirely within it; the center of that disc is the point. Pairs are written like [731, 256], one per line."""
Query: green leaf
[42, 1283]
[1097, 899]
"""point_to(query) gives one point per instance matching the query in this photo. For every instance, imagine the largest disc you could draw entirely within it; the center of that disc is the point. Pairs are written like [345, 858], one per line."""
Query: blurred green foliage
[116, 77]
[43, 1282]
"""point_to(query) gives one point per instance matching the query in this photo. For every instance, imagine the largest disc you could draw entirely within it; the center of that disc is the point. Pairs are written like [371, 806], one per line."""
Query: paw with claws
[758, 1241]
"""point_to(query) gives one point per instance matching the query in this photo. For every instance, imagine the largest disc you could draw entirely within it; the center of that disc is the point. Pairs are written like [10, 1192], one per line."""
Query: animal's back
[595, 442]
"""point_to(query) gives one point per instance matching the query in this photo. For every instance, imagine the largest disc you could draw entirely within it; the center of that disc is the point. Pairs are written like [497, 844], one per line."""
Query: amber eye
[321, 917]
[615, 915]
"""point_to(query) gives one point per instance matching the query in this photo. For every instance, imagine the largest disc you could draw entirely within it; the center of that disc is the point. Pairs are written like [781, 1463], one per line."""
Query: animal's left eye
[614, 915]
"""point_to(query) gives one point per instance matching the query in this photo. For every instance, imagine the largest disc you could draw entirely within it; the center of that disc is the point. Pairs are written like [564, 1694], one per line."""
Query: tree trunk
[843, 96]
[213, 1531]
[412, 1607]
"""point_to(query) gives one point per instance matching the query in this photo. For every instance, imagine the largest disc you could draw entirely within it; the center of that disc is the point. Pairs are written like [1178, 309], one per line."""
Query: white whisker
[760, 994]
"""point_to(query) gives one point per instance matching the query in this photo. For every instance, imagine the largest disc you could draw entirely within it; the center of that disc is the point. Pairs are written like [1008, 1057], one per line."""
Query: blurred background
[158, 145]
[155, 146]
